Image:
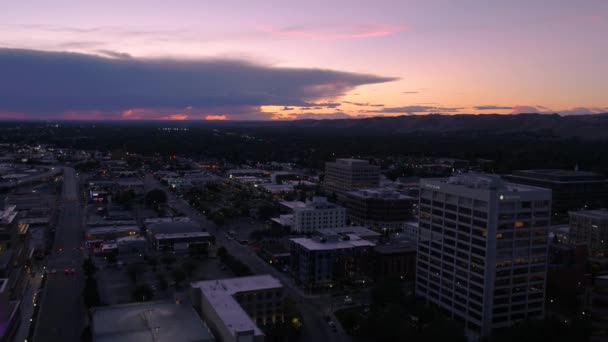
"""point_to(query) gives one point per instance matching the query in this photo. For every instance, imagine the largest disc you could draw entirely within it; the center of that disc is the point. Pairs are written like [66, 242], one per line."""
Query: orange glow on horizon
[216, 117]
[175, 117]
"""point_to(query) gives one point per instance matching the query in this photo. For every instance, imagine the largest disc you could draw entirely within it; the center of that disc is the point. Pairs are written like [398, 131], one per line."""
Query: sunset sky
[245, 60]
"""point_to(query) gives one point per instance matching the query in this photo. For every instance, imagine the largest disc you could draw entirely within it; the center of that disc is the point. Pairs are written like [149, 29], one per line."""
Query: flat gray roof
[314, 245]
[596, 214]
[220, 294]
[161, 321]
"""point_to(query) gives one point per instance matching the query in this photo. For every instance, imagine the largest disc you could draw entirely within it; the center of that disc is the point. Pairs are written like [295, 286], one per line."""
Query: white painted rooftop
[318, 245]
[220, 294]
[163, 321]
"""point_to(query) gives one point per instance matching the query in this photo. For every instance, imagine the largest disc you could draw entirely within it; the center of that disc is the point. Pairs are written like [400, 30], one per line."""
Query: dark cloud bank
[53, 83]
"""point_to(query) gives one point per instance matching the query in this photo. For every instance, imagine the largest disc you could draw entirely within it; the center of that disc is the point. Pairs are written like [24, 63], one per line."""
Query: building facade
[330, 260]
[350, 174]
[379, 209]
[318, 214]
[395, 261]
[591, 228]
[236, 308]
[482, 250]
[572, 190]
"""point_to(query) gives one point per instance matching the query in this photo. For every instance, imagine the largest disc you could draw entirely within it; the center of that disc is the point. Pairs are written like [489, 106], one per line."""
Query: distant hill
[592, 127]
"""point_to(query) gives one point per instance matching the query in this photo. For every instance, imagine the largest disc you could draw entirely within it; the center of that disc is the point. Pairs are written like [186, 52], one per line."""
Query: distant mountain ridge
[591, 127]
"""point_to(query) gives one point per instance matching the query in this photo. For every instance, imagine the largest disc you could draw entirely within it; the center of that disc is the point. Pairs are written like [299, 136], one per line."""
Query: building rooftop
[174, 227]
[360, 231]
[387, 194]
[166, 219]
[103, 230]
[162, 321]
[316, 203]
[352, 161]
[293, 204]
[395, 248]
[181, 235]
[559, 176]
[599, 214]
[220, 294]
[323, 243]
[8, 215]
[479, 181]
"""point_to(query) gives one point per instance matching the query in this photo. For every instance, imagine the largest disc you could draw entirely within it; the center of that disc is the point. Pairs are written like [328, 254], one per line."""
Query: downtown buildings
[590, 227]
[350, 174]
[318, 214]
[482, 250]
[236, 308]
[379, 209]
[571, 189]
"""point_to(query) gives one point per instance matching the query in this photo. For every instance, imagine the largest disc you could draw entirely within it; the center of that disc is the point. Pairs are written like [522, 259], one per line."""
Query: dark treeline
[312, 145]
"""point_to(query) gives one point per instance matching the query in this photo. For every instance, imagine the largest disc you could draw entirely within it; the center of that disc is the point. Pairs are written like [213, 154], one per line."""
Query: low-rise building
[591, 228]
[160, 321]
[571, 189]
[330, 260]
[379, 208]
[179, 241]
[97, 235]
[318, 214]
[236, 308]
[395, 261]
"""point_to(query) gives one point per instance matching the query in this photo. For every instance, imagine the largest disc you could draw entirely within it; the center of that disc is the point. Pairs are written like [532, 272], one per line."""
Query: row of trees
[91, 292]
[234, 264]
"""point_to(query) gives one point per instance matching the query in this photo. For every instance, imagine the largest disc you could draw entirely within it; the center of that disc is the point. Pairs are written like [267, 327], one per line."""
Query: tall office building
[482, 250]
[350, 174]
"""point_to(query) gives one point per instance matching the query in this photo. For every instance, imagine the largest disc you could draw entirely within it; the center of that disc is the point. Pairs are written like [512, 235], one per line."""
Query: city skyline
[277, 60]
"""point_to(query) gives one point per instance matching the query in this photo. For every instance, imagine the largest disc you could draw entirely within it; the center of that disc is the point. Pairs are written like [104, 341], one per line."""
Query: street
[312, 307]
[61, 315]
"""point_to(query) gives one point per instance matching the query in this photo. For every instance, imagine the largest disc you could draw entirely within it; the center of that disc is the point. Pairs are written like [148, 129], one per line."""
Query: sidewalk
[27, 306]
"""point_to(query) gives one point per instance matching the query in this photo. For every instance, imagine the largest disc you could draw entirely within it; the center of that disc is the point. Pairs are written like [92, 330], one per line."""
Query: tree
[89, 268]
[178, 277]
[168, 259]
[142, 293]
[91, 293]
[189, 267]
[266, 211]
[134, 271]
[162, 282]
[156, 198]
[86, 335]
[218, 218]
[111, 259]
[198, 250]
[153, 261]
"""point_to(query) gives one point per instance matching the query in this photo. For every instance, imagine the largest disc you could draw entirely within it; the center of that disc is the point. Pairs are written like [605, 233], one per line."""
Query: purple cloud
[55, 82]
[490, 107]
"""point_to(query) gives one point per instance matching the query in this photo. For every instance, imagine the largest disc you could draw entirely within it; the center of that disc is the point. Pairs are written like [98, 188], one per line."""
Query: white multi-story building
[350, 174]
[318, 214]
[482, 250]
[236, 308]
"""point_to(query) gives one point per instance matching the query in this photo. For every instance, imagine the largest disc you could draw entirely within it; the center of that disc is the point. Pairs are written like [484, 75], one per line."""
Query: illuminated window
[519, 224]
